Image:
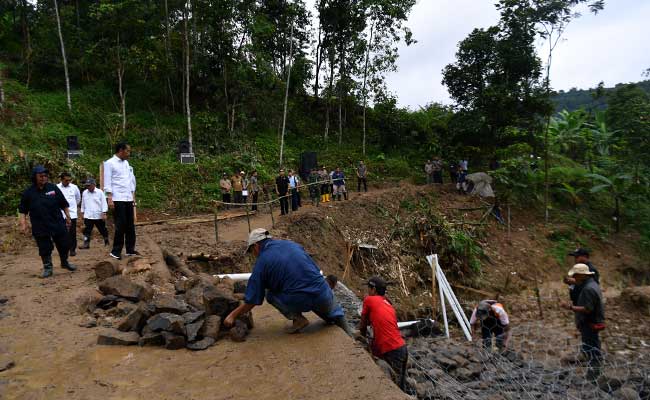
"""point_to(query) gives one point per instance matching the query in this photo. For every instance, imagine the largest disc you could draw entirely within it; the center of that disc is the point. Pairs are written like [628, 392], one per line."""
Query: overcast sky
[613, 46]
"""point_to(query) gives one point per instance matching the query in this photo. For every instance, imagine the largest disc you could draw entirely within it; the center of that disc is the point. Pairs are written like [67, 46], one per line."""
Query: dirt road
[55, 358]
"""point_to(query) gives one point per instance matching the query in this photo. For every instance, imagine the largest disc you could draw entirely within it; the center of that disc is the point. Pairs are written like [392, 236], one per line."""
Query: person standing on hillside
[314, 187]
[428, 170]
[237, 187]
[255, 189]
[290, 281]
[437, 170]
[71, 193]
[93, 210]
[324, 184]
[43, 201]
[362, 176]
[293, 190]
[245, 187]
[119, 186]
[580, 256]
[387, 342]
[338, 180]
[226, 186]
[453, 172]
[589, 316]
[282, 189]
[492, 320]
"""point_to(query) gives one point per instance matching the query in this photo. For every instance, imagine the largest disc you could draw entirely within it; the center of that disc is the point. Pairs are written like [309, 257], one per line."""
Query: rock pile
[440, 369]
[130, 313]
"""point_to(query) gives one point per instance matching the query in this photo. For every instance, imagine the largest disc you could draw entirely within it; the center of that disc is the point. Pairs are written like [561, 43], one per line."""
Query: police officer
[43, 201]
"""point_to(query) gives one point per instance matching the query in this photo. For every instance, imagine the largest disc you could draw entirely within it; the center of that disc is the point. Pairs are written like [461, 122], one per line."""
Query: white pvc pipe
[406, 324]
[235, 277]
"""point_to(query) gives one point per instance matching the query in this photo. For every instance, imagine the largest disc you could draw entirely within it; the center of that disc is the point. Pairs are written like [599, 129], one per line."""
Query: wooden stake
[271, 210]
[248, 219]
[216, 219]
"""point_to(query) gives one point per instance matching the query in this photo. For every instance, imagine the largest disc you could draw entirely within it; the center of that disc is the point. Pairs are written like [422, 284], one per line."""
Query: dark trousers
[397, 359]
[238, 197]
[437, 176]
[124, 227]
[89, 224]
[491, 328]
[284, 204]
[365, 186]
[225, 197]
[45, 245]
[295, 200]
[591, 349]
[255, 201]
[72, 235]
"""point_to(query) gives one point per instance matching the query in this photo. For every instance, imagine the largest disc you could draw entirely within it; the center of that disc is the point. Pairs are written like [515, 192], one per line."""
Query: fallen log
[160, 271]
[107, 268]
[177, 264]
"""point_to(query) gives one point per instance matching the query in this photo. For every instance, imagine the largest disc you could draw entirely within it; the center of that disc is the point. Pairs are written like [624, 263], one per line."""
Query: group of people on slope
[237, 188]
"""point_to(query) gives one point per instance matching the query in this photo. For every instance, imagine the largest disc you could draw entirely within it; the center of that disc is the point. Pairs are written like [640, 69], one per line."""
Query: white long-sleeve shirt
[93, 204]
[71, 193]
[119, 180]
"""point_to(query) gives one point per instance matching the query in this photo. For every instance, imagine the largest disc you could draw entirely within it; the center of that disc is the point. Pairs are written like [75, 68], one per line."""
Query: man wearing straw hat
[290, 281]
[589, 316]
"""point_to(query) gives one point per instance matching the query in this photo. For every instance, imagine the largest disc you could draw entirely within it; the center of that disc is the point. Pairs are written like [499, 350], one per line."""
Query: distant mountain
[584, 98]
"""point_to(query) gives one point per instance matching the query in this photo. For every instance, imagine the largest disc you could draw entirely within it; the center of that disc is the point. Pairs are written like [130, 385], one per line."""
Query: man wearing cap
[93, 210]
[581, 256]
[387, 342]
[43, 201]
[589, 315]
[71, 193]
[492, 319]
[291, 282]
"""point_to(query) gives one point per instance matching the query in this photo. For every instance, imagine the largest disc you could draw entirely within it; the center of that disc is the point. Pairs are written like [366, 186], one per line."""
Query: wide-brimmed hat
[580, 269]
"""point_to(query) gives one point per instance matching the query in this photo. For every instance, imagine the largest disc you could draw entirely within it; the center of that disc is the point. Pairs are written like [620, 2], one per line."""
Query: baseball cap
[580, 269]
[580, 252]
[39, 169]
[90, 181]
[257, 235]
[377, 283]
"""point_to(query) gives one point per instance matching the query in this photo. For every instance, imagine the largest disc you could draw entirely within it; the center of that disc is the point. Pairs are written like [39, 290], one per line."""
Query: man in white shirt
[71, 193]
[119, 186]
[93, 210]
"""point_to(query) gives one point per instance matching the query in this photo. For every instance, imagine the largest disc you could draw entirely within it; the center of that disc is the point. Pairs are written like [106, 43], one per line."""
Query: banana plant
[618, 186]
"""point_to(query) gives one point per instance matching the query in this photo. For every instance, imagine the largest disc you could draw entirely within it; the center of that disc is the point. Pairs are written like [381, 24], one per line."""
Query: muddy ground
[56, 358]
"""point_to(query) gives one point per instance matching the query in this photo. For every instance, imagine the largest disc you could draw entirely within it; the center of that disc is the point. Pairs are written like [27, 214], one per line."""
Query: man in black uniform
[43, 201]
[282, 189]
[581, 256]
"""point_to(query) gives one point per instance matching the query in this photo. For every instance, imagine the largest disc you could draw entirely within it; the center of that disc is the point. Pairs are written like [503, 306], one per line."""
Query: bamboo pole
[216, 219]
[248, 219]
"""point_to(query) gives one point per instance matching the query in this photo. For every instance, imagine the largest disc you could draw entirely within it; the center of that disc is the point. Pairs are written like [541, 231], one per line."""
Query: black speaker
[72, 142]
[308, 160]
[183, 146]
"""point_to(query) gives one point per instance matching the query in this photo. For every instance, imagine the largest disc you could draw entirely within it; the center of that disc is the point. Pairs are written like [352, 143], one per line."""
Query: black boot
[345, 195]
[47, 266]
[65, 264]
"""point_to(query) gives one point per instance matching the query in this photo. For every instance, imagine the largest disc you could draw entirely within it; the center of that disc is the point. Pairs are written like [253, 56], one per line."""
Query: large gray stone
[211, 327]
[137, 319]
[170, 304]
[218, 302]
[201, 344]
[193, 316]
[152, 339]
[167, 322]
[173, 342]
[113, 337]
[239, 331]
[192, 330]
[122, 286]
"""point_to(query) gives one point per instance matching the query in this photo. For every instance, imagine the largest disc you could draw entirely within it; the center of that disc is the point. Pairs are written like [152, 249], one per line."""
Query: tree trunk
[168, 56]
[120, 85]
[286, 95]
[329, 95]
[27, 41]
[617, 215]
[365, 94]
[319, 60]
[342, 93]
[2, 89]
[187, 78]
[65, 60]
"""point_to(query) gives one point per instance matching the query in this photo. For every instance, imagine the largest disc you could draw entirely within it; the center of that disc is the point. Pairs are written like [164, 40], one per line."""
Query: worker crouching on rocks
[291, 282]
[387, 342]
[492, 320]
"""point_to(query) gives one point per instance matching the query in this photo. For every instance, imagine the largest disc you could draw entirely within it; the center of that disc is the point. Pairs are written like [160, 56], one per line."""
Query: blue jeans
[325, 307]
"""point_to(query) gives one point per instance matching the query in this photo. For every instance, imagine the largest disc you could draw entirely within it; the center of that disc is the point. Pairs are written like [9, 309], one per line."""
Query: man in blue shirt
[290, 281]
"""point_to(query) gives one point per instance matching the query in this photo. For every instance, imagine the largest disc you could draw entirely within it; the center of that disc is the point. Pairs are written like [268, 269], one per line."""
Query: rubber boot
[322, 198]
[345, 195]
[86, 244]
[47, 266]
[327, 198]
[65, 264]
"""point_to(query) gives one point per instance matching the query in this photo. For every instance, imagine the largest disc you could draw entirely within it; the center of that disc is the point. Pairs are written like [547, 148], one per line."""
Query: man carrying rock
[589, 316]
[93, 210]
[71, 193]
[119, 186]
[291, 282]
[491, 318]
[43, 201]
[387, 342]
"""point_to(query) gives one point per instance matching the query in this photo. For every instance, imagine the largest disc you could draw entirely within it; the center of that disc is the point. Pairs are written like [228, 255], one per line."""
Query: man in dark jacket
[43, 201]
[589, 316]
[282, 190]
[580, 256]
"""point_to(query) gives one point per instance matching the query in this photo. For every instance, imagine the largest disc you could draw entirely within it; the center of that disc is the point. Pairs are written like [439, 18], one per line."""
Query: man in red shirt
[387, 342]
